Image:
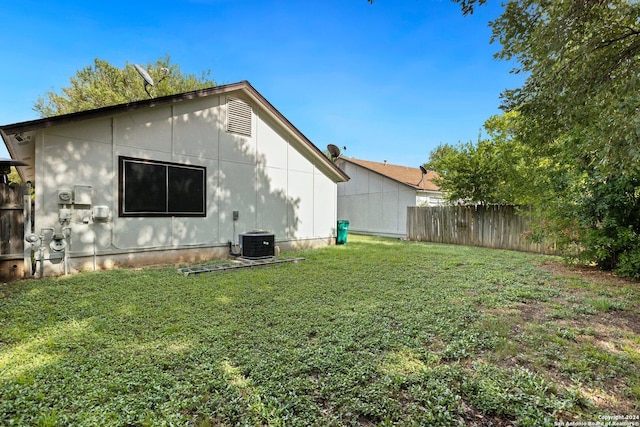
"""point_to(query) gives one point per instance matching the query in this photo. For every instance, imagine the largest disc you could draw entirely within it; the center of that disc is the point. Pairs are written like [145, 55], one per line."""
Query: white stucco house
[375, 199]
[172, 179]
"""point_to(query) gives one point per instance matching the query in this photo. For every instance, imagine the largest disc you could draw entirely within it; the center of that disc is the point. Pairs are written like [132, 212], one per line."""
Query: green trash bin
[343, 230]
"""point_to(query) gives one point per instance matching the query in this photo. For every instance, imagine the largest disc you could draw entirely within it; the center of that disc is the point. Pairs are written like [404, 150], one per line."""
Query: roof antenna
[424, 172]
[148, 81]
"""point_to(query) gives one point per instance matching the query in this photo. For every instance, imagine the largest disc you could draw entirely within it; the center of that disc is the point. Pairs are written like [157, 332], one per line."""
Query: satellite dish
[334, 151]
[5, 168]
[148, 81]
[424, 172]
[144, 74]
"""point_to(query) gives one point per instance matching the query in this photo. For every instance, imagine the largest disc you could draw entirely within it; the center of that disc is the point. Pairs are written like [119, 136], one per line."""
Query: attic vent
[238, 117]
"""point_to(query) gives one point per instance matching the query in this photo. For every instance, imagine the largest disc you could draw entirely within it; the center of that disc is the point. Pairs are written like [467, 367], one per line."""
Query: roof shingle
[404, 174]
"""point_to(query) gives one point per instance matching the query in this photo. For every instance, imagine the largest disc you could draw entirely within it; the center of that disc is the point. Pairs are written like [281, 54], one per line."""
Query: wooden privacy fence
[499, 227]
[15, 205]
[12, 219]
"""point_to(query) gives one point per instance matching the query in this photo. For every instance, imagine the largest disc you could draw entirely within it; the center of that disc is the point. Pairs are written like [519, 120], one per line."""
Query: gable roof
[19, 148]
[411, 177]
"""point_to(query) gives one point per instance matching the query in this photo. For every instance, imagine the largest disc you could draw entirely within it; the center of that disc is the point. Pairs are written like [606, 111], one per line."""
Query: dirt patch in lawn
[588, 273]
[613, 329]
[624, 320]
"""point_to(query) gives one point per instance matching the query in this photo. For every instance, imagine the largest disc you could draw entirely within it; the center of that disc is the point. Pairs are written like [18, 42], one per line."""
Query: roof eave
[337, 174]
[412, 186]
[333, 171]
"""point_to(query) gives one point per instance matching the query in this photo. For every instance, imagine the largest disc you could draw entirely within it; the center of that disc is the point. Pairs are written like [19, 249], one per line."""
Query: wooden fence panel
[498, 227]
[11, 220]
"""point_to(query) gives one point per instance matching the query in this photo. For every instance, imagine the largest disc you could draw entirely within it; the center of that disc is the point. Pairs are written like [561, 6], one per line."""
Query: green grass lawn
[376, 332]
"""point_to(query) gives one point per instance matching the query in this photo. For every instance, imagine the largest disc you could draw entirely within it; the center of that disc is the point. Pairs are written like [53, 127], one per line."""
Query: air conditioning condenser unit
[257, 244]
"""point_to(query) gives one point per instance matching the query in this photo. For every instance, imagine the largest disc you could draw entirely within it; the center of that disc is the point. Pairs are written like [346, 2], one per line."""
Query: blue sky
[390, 81]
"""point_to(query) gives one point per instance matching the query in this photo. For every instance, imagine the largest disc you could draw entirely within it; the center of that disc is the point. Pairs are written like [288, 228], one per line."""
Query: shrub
[629, 264]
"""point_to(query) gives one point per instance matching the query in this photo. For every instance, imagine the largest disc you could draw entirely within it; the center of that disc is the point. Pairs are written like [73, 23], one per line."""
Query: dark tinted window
[151, 188]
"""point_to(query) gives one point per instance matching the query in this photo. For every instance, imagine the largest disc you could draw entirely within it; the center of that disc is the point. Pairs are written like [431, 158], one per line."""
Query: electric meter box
[65, 197]
[64, 215]
[82, 194]
[100, 213]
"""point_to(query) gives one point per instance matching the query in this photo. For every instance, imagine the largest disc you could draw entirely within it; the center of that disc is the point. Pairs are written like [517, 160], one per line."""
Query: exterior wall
[264, 177]
[372, 203]
[430, 198]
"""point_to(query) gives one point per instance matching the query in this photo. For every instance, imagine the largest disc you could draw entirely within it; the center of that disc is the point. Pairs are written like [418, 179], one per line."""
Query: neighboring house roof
[21, 149]
[403, 174]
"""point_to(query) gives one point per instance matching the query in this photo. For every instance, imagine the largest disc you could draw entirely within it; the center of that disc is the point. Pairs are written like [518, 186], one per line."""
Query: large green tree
[582, 87]
[498, 169]
[575, 150]
[580, 106]
[103, 84]
[486, 172]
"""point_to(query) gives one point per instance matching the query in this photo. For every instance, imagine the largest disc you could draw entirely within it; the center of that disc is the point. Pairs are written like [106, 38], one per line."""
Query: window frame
[122, 188]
